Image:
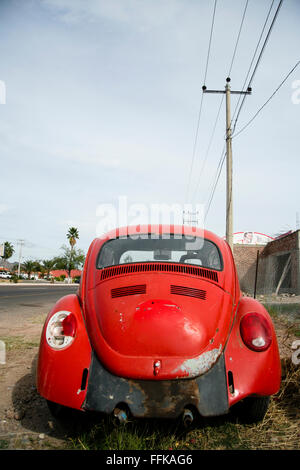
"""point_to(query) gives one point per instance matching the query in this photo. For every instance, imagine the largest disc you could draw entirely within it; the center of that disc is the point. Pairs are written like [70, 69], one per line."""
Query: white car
[4, 275]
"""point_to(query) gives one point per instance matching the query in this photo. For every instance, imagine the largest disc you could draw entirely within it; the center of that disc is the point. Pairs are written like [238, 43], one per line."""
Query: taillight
[61, 329]
[69, 325]
[256, 331]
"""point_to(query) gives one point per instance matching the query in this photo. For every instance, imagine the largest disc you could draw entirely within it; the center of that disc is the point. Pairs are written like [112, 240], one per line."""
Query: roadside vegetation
[289, 315]
[19, 343]
[71, 258]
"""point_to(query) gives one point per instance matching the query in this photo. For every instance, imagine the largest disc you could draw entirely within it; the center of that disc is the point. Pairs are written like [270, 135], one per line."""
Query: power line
[253, 57]
[222, 159]
[268, 100]
[220, 106]
[265, 43]
[217, 177]
[259, 59]
[238, 38]
[201, 102]
[209, 146]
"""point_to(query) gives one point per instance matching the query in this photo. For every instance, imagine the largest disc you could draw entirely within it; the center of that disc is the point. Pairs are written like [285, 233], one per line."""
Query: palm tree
[47, 266]
[72, 236]
[8, 251]
[29, 267]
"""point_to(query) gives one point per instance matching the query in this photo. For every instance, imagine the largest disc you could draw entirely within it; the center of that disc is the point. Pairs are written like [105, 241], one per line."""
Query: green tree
[70, 259]
[47, 265]
[29, 267]
[38, 268]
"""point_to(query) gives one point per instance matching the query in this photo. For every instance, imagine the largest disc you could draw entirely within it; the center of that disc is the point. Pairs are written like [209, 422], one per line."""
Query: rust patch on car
[165, 398]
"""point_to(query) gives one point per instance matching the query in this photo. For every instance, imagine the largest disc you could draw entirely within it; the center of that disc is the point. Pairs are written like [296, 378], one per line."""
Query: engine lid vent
[124, 269]
[188, 291]
[128, 290]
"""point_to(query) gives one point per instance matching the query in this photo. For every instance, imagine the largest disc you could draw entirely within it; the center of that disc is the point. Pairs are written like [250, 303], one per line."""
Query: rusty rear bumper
[157, 398]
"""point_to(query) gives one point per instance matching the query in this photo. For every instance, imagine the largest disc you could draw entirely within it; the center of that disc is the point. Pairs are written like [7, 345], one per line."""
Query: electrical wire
[201, 102]
[238, 38]
[253, 57]
[222, 158]
[217, 177]
[208, 148]
[221, 102]
[268, 100]
[259, 59]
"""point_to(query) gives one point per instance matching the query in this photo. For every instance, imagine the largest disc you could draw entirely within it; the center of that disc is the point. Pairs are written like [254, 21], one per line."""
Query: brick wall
[245, 257]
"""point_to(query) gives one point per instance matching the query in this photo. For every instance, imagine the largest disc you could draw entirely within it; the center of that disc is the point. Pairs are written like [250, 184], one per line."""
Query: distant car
[5, 275]
[159, 328]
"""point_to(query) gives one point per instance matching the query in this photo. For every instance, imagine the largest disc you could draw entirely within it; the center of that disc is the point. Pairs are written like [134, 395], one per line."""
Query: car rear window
[184, 250]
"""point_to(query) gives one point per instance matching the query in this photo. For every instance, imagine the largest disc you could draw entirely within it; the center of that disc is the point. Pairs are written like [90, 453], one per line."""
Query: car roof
[163, 229]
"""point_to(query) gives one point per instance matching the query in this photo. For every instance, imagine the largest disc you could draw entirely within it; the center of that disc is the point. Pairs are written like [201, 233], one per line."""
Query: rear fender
[250, 372]
[62, 374]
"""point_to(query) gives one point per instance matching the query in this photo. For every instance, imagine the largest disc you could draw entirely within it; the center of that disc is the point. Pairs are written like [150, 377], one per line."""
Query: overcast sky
[100, 99]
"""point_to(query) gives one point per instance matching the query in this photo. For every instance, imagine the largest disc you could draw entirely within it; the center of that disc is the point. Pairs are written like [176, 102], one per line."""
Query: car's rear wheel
[253, 409]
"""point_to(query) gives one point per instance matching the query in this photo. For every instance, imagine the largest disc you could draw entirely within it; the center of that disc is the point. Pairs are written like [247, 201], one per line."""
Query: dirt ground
[25, 421]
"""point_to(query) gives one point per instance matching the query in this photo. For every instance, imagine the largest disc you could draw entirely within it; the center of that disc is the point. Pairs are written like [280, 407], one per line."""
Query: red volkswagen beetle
[159, 328]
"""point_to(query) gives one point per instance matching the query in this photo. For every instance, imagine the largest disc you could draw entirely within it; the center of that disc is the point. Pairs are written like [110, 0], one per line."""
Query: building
[272, 267]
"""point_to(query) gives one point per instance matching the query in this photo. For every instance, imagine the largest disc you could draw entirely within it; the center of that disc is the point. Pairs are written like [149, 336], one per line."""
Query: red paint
[150, 335]
[59, 373]
[254, 373]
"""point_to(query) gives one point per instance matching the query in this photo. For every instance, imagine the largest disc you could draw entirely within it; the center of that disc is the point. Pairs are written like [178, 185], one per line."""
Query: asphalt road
[29, 299]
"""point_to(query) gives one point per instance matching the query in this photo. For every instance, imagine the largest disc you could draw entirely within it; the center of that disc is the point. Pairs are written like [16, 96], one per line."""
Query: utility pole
[229, 205]
[21, 243]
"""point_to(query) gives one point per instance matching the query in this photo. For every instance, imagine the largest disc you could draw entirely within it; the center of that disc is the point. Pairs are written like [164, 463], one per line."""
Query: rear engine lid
[170, 319]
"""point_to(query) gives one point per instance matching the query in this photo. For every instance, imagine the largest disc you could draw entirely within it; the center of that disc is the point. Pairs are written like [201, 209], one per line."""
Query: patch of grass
[288, 314]
[153, 434]
[3, 444]
[281, 427]
[217, 434]
[18, 342]
[287, 310]
[39, 319]
[133, 435]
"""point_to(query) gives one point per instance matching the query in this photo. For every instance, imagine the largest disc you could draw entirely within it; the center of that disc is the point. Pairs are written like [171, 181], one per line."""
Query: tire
[253, 409]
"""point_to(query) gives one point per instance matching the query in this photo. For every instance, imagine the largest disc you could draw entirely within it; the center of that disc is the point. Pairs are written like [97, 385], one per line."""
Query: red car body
[157, 337]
